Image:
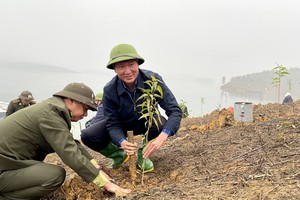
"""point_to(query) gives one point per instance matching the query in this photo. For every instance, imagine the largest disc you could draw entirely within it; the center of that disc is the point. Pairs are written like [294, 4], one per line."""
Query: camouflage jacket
[30, 134]
[16, 105]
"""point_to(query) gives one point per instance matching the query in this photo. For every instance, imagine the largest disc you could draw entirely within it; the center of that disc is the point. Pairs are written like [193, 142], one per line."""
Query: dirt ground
[213, 157]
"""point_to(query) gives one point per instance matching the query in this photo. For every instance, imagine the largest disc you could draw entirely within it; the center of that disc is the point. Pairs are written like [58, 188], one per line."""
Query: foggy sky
[211, 38]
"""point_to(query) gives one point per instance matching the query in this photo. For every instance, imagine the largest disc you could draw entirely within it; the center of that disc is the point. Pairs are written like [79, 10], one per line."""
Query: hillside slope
[214, 157]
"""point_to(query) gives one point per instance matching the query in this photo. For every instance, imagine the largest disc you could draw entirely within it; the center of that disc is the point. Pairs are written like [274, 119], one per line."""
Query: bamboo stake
[133, 159]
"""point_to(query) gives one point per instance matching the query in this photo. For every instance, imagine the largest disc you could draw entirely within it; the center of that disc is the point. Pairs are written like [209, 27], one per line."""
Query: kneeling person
[122, 113]
[33, 132]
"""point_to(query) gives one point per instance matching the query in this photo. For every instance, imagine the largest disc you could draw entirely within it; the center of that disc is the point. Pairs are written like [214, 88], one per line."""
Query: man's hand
[112, 187]
[128, 147]
[155, 144]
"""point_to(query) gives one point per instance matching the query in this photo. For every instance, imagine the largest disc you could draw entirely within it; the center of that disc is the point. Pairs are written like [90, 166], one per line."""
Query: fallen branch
[290, 155]
[269, 192]
[244, 154]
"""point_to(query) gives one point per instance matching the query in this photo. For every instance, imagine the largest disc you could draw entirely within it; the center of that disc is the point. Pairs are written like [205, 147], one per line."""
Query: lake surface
[201, 95]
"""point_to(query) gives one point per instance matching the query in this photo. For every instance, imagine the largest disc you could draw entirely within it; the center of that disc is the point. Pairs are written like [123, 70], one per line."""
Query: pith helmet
[26, 95]
[99, 97]
[123, 52]
[79, 92]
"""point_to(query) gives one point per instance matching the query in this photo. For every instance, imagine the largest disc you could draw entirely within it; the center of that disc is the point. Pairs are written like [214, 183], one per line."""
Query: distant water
[42, 85]
[201, 95]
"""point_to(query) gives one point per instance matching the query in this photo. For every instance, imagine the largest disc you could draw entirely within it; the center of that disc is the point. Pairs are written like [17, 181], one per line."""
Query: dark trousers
[31, 182]
[97, 137]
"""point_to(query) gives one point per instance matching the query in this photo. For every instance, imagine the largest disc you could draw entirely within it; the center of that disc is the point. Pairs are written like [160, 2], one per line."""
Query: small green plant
[201, 103]
[184, 109]
[149, 104]
[218, 107]
[279, 72]
[149, 107]
[290, 85]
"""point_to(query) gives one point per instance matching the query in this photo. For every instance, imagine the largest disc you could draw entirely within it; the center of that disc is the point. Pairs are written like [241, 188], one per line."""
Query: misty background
[192, 44]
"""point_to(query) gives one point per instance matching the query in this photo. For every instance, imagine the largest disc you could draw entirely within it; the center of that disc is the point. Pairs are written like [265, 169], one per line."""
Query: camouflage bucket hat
[123, 52]
[79, 92]
[26, 95]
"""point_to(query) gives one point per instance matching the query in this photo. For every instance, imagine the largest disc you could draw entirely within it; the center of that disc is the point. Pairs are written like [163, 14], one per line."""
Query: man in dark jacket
[33, 132]
[122, 113]
[25, 99]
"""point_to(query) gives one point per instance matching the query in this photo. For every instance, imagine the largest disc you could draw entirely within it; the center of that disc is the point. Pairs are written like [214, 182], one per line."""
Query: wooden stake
[133, 159]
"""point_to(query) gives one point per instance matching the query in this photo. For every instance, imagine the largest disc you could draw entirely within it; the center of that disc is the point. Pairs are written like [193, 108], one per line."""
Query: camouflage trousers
[31, 182]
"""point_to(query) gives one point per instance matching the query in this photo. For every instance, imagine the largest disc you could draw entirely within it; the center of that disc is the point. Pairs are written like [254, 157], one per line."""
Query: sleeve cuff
[166, 131]
[94, 162]
[120, 141]
[100, 180]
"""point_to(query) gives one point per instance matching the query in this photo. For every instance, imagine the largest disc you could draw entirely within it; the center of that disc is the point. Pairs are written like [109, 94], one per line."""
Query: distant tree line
[259, 83]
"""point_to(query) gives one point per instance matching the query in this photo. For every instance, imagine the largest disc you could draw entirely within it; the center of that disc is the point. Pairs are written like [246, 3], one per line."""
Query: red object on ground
[230, 108]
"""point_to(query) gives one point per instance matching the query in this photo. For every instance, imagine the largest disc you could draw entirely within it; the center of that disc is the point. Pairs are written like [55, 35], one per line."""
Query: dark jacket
[99, 115]
[33, 132]
[287, 99]
[121, 110]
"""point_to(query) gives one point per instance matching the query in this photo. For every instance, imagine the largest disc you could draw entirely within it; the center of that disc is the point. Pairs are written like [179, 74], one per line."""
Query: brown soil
[213, 157]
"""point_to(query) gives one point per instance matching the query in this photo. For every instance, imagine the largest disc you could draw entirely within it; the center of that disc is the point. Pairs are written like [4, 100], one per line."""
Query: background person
[287, 98]
[24, 100]
[32, 133]
[122, 113]
[99, 115]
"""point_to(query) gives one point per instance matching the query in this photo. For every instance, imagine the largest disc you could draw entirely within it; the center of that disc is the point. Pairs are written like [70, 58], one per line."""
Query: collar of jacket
[61, 107]
[139, 83]
[127, 89]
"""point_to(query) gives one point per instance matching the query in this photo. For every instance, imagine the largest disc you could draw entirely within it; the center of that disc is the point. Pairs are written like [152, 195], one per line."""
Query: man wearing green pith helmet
[122, 113]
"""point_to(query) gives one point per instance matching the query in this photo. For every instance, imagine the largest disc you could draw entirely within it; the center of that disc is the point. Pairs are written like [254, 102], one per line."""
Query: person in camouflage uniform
[30, 134]
[25, 99]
